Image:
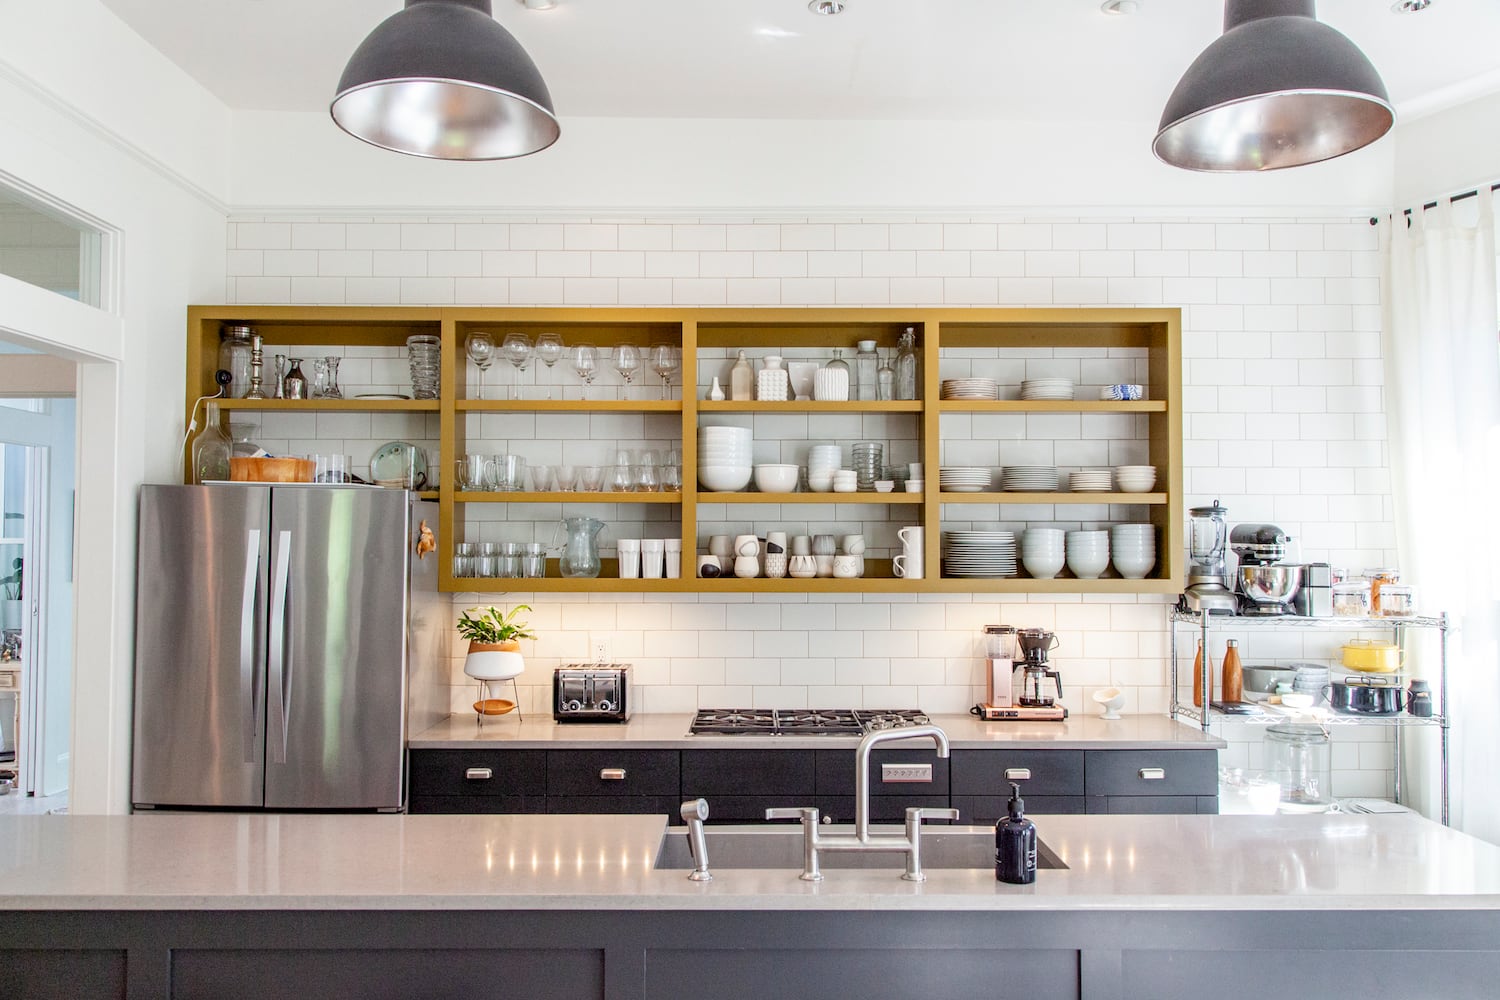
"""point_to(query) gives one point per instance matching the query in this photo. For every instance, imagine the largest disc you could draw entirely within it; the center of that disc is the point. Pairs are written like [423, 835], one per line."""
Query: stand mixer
[1208, 588]
[1265, 588]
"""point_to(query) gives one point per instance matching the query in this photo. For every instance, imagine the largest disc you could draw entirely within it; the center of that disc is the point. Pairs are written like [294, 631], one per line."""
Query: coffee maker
[1037, 697]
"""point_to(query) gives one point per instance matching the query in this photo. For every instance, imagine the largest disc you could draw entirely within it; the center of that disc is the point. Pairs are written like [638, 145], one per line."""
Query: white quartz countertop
[670, 731]
[322, 862]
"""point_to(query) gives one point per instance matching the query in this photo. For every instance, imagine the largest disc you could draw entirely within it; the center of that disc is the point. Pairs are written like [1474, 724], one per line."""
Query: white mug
[847, 567]
[908, 566]
[672, 556]
[911, 536]
[746, 545]
[629, 550]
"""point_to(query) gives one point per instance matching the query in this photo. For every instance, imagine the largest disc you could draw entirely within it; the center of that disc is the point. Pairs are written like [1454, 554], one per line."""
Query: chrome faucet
[813, 841]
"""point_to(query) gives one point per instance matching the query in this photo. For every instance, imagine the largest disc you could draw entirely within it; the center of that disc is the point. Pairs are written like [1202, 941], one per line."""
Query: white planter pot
[489, 663]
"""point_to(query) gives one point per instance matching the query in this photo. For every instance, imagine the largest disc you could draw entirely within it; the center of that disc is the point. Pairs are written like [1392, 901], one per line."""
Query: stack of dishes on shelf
[971, 554]
[1135, 478]
[724, 462]
[1047, 388]
[963, 479]
[1117, 392]
[970, 388]
[1311, 679]
[1092, 481]
[1088, 553]
[868, 459]
[1029, 479]
[1132, 548]
[823, 460]
[1042, 552]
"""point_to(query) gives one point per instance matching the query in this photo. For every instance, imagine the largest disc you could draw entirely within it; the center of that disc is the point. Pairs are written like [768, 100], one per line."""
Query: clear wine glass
[666, 360]
[517, 348]
[585, 366]
[627, 363]
[549, 350]
[480, 348]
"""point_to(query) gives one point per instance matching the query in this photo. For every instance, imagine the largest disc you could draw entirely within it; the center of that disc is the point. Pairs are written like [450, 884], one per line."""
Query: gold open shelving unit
[1157, 331]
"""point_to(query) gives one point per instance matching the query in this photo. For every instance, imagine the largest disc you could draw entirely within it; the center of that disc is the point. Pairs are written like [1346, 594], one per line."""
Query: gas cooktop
[802, 721]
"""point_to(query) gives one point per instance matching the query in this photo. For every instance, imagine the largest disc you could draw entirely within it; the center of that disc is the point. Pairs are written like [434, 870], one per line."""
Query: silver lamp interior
[1278, 89]
[442, 79]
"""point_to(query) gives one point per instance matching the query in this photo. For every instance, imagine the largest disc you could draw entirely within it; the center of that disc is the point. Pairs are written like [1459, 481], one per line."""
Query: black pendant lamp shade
[1277, 89]
[443, 79]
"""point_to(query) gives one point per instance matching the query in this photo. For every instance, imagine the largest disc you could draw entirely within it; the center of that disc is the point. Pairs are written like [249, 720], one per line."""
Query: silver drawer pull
[612, 774]
[1018, 774]
[1152, 773]
[479, 773]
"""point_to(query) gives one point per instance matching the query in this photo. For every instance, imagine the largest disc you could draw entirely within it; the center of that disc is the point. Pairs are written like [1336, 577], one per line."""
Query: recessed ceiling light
[537, 4]
[826, 7]
[1121, 6]
[1410, 6]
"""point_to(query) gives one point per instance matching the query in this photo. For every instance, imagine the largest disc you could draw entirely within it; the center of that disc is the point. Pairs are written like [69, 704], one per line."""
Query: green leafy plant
[10, 586]
[489, 627]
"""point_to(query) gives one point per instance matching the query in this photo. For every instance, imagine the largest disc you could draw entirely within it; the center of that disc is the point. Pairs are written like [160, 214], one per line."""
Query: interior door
[200, 645]
[337, 659]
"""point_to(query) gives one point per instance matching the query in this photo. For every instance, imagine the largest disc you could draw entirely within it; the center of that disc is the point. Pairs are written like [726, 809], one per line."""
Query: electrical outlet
[601, 651]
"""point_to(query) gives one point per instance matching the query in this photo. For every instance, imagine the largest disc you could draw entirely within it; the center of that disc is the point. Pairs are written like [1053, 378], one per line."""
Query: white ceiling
[1025, 60]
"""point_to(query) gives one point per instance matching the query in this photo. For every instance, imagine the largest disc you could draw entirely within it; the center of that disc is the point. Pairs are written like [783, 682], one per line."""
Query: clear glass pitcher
[580, 553]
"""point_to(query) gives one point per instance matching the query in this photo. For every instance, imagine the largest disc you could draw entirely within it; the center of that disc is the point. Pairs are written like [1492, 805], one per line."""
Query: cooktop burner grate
[802, 721]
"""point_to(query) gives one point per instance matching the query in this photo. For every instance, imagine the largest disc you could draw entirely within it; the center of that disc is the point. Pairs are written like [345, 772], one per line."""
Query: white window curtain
[1442, 354]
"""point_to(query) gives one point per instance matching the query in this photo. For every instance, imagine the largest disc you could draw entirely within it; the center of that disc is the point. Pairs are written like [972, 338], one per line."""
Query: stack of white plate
[979, 553]
[1135, 478]
[724, 462]
[823, 460]
[970, 388]
[1088, 553]
[1047, 388]
[1091, 481]
[1029, 479]
[1042, 552]
[1132, 548]
[963, 479]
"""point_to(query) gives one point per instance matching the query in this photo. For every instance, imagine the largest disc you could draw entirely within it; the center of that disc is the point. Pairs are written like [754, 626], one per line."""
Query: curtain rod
[1432, 204]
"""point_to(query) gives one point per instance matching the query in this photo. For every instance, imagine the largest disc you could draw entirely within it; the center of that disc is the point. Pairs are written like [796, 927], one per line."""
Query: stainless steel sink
[731, 847]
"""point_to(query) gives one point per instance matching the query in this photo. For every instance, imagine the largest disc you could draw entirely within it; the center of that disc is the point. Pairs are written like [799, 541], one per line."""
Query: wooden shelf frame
[1156, 330]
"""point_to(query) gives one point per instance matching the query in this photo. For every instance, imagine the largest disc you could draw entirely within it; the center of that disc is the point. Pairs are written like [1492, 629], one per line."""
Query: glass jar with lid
[1299, 758]
[1379, 578]
[235, 348]
[1398, 600]
[1351, 599]
[865, 383]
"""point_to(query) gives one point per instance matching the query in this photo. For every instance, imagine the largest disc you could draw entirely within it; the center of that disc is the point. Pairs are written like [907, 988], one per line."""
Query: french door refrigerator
[286, 637]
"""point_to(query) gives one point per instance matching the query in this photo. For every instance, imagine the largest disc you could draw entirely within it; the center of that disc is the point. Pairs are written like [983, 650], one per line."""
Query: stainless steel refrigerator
[287, 640]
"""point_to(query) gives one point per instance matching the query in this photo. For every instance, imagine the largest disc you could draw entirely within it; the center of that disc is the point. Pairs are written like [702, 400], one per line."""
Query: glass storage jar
[235, 348]
[1351, 599]
[1398, 600]
[1379, 578]
[1300, 759]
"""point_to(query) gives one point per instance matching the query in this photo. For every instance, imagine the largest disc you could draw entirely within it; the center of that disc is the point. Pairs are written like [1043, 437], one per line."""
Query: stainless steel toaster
[591, 692]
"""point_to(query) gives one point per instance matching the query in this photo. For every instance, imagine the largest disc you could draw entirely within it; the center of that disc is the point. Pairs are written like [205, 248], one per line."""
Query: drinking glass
[665, 361]
[463, 559]
[541, 478]
[627, 363]
[565, 477]
[534, 561]
[549, 349]
[510, 473]
[508, 563]
[646, 478]
[585, 366]
[517, 348]
[671, 478]
[480, 348]
[591, 478]
[622, 478]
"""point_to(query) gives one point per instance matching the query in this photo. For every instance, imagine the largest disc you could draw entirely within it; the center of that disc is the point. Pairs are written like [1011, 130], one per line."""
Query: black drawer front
[836, 772]
[1053, 772]
[1131, 772]
[474, 804]
[615, 805]
[594, 772]
[446, 772]
[1153, 805]
[981, 810]
[786, 774]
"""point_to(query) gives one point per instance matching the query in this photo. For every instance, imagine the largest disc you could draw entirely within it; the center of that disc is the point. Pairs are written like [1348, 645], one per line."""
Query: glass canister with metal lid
[235, 349]
[1299, 757]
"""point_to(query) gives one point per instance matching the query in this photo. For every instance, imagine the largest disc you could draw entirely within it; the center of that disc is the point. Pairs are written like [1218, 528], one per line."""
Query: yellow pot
[1372, 657]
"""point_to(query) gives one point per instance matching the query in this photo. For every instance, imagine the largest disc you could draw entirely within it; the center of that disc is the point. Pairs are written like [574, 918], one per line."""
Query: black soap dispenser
[1015, 843]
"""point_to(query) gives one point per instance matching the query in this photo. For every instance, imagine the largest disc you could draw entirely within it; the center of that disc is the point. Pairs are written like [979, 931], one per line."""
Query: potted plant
[494, 649]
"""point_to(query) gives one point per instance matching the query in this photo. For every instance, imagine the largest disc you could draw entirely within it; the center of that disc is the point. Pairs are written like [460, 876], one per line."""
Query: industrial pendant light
[1277, 89]
[443, 79]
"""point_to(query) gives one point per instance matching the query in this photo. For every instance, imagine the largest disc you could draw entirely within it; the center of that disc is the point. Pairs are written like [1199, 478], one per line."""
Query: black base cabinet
[740, 785]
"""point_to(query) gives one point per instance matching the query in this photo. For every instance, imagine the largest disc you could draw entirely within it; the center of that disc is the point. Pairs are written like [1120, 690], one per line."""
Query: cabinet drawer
[1153, 805]
[1152, 772]
[785, 774]
[835, 772]
[478, 772]
[612, 772]
[983, 772]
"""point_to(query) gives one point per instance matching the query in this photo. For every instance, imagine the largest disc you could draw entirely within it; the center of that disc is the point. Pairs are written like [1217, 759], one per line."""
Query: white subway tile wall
[1283, 422]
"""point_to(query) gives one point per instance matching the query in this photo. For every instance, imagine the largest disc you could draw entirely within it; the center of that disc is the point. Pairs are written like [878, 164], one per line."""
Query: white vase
[493, 662]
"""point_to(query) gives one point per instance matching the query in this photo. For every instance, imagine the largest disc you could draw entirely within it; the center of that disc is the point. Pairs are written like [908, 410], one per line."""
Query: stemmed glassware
[480, 348]
[585, 366]
[517, 348]
[665, 361]
[549, 349]
[627, 363]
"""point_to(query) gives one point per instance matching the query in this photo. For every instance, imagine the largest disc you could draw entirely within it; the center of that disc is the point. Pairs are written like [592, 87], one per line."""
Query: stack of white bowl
[1091, 481]
[724, 462]
[1135, 478]
[1088, 553]
[963, 478]
[1042, 552]
[1132, 548]
[1047, 388]
[823, 460]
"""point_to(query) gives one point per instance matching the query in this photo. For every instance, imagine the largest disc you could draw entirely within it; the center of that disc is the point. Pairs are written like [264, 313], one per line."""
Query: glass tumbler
[541, 478]
[463, 558]
[508, 562]
[487, 562]
[646, 479]
[591, 478]
[510, 473]
[534, 560]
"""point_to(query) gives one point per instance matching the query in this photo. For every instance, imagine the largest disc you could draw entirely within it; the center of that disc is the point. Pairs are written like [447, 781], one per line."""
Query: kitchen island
[227, 906]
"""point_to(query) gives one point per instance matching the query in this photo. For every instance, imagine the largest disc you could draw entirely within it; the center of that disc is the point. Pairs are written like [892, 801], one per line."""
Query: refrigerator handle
[279, 665]
[248, 691]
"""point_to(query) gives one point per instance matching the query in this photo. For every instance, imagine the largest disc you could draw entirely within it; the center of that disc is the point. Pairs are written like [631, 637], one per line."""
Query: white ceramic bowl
[724, 479]
[1133, 567]
[1087, 566]
[776, 478]
[1042, 567]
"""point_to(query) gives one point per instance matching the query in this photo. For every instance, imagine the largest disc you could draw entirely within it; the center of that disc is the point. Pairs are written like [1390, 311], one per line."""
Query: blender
[1208, 589]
